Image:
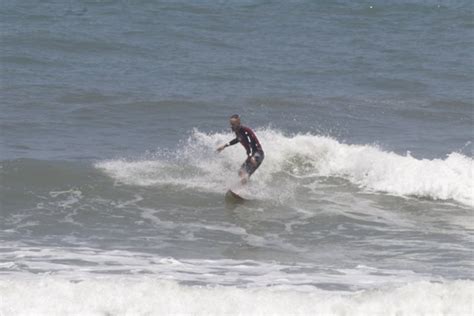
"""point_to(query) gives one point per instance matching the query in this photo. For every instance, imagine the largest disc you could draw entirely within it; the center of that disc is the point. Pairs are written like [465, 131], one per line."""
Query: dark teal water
[111, 112]
[88, 79]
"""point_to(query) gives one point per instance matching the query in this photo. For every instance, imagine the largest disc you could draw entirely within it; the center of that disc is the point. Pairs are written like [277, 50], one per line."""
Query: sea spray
[196, 164]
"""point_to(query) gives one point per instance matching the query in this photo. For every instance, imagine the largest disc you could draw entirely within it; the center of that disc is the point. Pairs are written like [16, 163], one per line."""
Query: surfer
[247, 138]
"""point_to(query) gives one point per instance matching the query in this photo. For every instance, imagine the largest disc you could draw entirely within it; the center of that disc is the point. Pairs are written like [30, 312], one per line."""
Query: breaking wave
[195, 164]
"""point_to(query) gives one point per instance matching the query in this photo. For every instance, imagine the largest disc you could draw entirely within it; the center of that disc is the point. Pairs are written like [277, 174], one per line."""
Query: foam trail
[303, 155]
[120, 296]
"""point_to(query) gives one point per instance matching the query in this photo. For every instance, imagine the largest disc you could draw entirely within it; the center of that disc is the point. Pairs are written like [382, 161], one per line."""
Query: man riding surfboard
[247, 138]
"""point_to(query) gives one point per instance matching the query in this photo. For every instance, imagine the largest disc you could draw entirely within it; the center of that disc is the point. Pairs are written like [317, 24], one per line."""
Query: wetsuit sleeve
[233, 142]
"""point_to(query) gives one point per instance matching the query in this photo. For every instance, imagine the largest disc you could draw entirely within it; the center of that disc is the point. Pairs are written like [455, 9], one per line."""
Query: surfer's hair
[235, 116]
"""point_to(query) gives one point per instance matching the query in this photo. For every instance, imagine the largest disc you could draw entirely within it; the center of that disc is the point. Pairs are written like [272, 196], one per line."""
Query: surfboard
[233, 197]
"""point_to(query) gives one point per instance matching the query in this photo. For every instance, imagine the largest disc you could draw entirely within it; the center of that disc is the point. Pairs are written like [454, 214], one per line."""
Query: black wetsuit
[247, 138]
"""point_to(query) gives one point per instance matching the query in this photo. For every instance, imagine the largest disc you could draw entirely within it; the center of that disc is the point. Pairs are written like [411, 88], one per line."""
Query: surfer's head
[235, 122]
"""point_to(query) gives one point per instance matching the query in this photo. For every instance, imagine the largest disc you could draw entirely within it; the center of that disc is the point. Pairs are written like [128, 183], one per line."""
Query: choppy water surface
[110, 115]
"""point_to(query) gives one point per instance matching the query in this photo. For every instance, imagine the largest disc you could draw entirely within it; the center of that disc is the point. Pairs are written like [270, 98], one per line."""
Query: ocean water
[112, 194]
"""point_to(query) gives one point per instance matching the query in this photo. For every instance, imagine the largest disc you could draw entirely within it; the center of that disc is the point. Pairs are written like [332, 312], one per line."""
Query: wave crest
[196, 164]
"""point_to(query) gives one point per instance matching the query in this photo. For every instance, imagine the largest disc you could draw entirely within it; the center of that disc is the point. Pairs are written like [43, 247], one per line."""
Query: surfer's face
[235, 124]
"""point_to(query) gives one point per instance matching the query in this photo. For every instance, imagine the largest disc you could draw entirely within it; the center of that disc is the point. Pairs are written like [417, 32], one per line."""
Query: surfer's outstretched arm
[232, 142]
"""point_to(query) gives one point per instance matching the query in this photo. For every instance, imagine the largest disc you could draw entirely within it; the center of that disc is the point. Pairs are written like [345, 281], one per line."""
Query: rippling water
[110, 115]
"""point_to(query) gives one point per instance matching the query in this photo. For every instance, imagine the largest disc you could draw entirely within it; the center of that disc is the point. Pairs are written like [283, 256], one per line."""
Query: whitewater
[112, 194]
[330, 229]
[302, 156]
[108, 296]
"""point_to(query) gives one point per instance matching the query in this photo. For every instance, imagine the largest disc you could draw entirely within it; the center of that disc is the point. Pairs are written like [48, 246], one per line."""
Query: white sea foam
[145, 296]
[88, 281]
[82, 263]
[197, 165]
